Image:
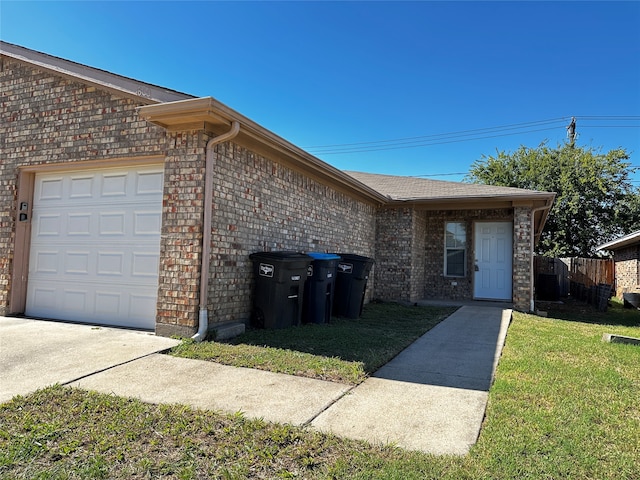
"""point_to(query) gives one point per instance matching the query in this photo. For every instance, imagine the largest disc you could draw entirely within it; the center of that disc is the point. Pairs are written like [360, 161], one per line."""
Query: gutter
[203, 317]
[195, 113]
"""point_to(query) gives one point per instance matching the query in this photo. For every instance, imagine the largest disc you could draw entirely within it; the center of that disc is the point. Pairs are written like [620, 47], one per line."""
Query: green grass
[344, 350]
[564, 405]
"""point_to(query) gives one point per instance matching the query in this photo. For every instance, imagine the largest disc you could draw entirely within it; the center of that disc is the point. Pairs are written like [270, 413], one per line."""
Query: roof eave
[508, 200]
[623, 242]
[142, 92]
[209, 114]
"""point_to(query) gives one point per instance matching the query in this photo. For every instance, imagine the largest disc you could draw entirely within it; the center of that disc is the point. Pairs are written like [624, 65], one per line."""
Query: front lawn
[344, 350]
[564, 405]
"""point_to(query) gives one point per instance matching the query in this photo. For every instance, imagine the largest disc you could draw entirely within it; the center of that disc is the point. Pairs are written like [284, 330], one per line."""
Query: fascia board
[181, 114]
[619, 243]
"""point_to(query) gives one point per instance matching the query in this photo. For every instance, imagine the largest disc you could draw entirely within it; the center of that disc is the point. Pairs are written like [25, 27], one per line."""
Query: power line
[423, 144]
[457, 133]
[609, 117]
[438, 136]
[466, 135]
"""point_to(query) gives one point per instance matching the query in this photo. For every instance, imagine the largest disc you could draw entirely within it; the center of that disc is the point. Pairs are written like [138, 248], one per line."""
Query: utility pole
[571, 132]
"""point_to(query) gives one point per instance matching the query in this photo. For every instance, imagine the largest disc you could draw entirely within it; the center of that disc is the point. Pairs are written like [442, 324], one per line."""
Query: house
[130, 204]
[626, 257]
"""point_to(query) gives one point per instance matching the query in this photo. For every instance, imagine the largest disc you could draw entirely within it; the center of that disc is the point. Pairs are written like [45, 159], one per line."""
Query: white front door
[493, 261]
[95, 246]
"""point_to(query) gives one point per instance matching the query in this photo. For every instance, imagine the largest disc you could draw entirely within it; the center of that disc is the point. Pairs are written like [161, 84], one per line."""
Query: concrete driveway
[36, 353]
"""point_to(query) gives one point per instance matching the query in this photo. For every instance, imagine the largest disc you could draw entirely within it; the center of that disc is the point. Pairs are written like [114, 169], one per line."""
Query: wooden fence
[582, 278]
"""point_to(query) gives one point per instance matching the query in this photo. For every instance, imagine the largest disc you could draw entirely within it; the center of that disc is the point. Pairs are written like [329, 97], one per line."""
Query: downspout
[532, 303]
[203, 317]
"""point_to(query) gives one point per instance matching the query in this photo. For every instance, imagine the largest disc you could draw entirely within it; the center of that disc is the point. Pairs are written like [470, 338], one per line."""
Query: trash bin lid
[356, 258]
[284, 255]
[323, 256]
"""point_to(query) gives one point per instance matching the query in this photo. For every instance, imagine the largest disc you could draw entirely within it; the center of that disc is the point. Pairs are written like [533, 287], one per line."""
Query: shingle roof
[146, 92]
[627, 240]
[415, 189]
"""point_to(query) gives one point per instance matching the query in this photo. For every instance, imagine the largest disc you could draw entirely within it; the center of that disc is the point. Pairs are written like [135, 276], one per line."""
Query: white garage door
[95, 246]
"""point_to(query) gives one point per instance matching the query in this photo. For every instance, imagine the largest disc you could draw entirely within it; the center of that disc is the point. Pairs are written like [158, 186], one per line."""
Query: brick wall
[419, 256]
[627, 261]
[261, 205]
[522, 259]
[437, 285]
[48, 119]
[394, 246]
[410, 253]
[181, 239]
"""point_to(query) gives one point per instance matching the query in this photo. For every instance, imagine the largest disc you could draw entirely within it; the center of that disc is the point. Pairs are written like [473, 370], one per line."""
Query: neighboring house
[626, 256]
[135, 205]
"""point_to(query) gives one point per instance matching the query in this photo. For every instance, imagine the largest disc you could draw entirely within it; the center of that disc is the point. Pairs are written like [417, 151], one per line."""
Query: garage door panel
[47, 262]
[79, 224]
[95, 250]
[141, 305]
[49, 225]
[114, 185]
[81, 187]
[94, 304]
[108, 304]
[110, 263]
[77, 262]
[49, 190]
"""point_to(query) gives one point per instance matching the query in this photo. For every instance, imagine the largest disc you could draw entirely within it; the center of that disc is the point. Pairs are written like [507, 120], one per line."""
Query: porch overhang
[539, 202]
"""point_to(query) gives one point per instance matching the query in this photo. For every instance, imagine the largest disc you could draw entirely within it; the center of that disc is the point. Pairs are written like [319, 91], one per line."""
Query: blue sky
[420, 88]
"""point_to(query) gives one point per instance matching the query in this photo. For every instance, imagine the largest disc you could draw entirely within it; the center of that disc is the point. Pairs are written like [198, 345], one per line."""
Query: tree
[595, 200]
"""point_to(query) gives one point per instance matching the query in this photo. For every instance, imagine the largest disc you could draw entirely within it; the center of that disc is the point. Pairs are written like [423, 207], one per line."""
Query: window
[455, 246]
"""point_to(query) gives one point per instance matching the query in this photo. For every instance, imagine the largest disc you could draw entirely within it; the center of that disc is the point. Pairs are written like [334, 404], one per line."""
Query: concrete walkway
[431, 397]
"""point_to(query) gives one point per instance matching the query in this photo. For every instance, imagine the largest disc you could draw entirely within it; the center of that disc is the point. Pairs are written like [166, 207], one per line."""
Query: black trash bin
[351, 284]
[319, 288]
[279, 288]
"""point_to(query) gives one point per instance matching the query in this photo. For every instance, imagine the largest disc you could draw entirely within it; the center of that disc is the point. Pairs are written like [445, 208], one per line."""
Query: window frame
[447, 248]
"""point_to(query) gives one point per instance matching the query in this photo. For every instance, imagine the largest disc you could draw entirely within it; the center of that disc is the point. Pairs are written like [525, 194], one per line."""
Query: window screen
[455, 249]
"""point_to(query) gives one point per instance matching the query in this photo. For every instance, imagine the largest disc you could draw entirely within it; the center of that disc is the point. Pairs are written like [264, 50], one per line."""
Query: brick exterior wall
[419, 256]
[47, 119]
[522, 259]
[181, 238]
[261, 205]
[627, 261]
[394, 246]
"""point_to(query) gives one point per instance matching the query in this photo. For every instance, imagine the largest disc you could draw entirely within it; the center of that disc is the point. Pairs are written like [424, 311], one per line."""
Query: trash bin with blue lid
[279, 288]
[319, 288]
[351, 284]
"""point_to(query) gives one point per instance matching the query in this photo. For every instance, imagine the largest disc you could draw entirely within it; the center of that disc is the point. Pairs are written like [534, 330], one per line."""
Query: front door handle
[477, 268]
